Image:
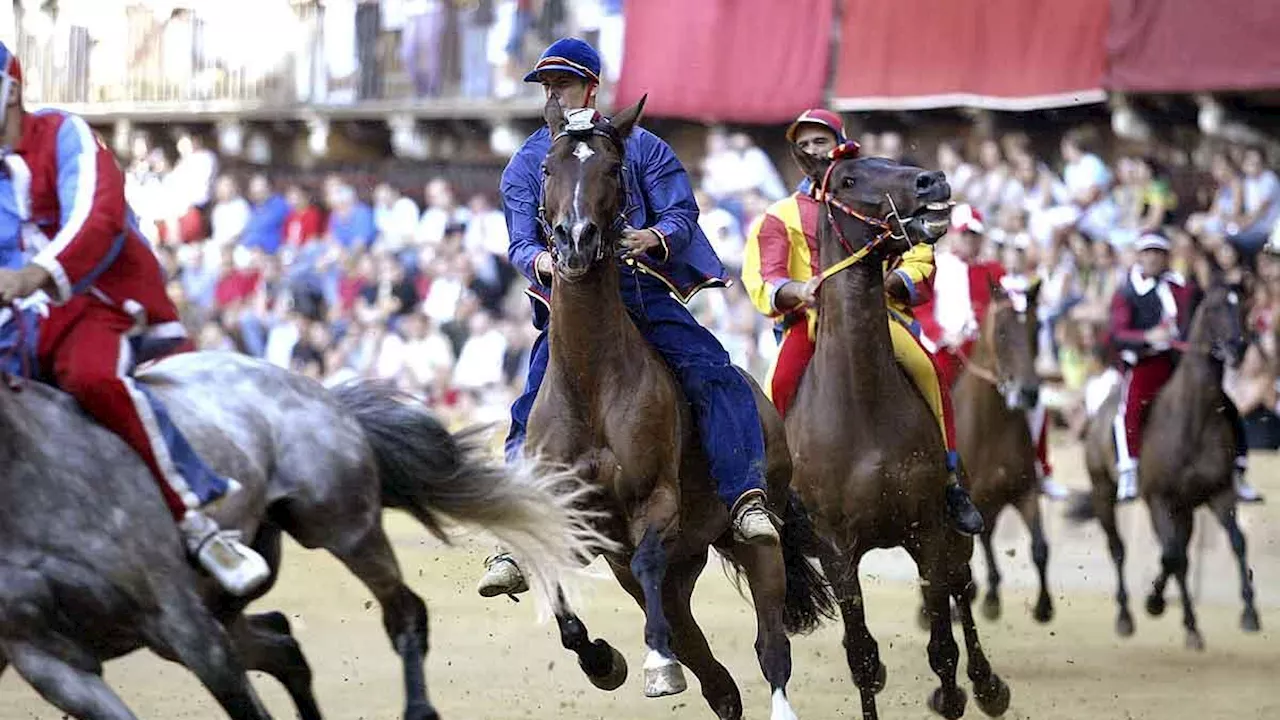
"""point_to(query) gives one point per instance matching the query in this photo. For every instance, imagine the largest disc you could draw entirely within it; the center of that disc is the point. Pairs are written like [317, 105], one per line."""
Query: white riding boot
[237, 567]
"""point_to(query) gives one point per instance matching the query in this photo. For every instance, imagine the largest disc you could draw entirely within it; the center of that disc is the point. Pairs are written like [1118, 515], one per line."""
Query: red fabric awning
[754, 61]
[1193, 45]
[997, 54]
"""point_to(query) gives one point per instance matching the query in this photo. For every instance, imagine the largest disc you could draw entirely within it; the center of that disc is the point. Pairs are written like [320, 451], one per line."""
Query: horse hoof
[662, 676]
[1194, 641]
[616, 676]
[1124, 624]
[948, 705]
[1043, 611]
[991, 607]
[420, 711]
[1155, 605]
[882, 679]
[1249, 621]
[992, 696]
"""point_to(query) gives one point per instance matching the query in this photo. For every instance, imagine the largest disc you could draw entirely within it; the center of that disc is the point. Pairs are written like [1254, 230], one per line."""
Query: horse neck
[588, 325]
[853, 330]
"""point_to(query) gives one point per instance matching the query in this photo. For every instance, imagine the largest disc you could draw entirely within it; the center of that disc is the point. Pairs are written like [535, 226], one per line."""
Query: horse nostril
[1031, 396]
[927, 182]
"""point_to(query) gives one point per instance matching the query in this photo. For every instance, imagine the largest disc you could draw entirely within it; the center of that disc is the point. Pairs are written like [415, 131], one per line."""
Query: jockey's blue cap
[571, 55]
[10, 75]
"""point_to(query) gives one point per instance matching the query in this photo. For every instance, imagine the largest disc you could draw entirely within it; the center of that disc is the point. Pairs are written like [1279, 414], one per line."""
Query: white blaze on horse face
[582, 152]
[577, 222]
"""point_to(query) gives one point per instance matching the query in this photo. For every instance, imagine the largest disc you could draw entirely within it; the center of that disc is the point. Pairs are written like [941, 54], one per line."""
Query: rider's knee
[90, 387]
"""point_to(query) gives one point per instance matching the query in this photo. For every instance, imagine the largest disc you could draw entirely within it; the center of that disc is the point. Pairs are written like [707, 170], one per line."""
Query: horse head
[1009, 331]
[878, 207]
[1218, 326]
[583, 195]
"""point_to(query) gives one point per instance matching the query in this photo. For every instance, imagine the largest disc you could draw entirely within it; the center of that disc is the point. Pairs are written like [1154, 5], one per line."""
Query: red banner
[754, 61]
[1193, 45]
[997, 54]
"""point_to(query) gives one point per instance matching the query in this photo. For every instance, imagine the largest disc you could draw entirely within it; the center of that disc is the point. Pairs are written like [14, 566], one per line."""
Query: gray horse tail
[433, 474]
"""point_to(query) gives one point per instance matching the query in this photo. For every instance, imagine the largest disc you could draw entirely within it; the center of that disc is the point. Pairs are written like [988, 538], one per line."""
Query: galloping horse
[869, 460]
[91, 566]
[1187, 460]
[998, 387]
[610, 408]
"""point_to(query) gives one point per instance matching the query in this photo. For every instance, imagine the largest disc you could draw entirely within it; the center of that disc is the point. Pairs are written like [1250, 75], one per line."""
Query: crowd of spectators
[412, 284]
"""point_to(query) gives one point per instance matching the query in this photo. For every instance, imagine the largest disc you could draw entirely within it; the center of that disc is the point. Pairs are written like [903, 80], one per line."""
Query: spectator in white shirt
[722, 229]
[442, 211]
[480, 361]
[396, 217]
[1261, 204]
[230, 213]
[196, 169]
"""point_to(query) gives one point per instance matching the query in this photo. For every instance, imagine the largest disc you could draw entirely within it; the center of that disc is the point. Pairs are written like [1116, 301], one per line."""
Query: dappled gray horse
[91, 566]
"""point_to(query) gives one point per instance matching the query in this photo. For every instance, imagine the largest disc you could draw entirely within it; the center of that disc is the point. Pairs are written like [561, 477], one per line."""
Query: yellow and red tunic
[782, 246]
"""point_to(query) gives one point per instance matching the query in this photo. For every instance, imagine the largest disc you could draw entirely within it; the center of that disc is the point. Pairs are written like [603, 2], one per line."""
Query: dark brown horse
[611, 408]
[869, 461]
[1187, 460]
[992, 397]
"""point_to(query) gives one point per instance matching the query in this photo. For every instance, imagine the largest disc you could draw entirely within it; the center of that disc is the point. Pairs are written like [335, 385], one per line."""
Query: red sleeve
[92, 221]
[775, 250]
[1122, 332]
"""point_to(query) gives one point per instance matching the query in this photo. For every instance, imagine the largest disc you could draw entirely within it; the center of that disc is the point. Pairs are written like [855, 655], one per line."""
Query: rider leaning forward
[780, 268]
[666, 255]
[110, 311]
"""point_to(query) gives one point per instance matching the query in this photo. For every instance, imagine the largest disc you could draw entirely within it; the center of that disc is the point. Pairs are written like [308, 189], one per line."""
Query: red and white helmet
[966, 218]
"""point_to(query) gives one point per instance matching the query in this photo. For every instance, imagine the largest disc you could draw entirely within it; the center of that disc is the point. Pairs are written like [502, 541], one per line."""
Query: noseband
[582, 133]
[831, 204]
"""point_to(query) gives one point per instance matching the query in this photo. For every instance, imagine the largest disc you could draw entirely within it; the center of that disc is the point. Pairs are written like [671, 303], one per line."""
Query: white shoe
[1127, 485]
[502, 576]
[238, 568]
[1053, 489]
[1245, 492]
[751, 522]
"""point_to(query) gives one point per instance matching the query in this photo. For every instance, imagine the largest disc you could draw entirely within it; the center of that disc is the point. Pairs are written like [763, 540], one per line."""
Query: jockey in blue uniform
[668, 255]
[17, 335]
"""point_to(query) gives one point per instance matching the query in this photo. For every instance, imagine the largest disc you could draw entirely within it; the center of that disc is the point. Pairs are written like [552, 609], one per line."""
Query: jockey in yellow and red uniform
[780, 265]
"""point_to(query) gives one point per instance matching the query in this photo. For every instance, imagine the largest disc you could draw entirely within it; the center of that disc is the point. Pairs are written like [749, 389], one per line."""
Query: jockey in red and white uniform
[110, 310]
[1149, 312]
[961, 295]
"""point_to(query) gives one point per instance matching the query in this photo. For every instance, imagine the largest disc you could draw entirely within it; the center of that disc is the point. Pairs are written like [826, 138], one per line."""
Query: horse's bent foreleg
[404, 615]
[267, 644]
[767, 578]
[80, 693]
[662, 674]
[604, 666]
[991, 601]
[687, 639]
[1029, 508]
[185, 631]
[1224, 507]
[861, 651]
[1115, 545]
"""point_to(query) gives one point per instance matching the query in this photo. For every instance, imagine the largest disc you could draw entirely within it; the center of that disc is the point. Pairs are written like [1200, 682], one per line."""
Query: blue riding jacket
[659, 197]
[13, 257]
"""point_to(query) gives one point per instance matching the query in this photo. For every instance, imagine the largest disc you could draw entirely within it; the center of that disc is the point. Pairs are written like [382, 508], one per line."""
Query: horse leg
[949, 699]
[1224, 507]
[687, 639]
[603, 665]
[404, 614]
[185, 631]
[991, 602]
[1162, 524]
[79, 692]
[1029, 508]
[267, 644]
[1115, 544]
[861, 650]
[1183, 521]
[662, 674]
[767, 578]
[990, 692]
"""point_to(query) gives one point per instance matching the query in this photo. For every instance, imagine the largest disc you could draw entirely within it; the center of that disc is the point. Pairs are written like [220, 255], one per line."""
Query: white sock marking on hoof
[782, 707]
[654, 660]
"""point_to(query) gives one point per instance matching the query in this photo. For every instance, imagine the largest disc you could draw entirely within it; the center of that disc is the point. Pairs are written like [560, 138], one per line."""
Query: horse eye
[849, 182]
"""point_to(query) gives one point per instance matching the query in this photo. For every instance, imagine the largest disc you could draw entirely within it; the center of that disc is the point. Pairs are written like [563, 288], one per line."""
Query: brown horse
[1187, 460]
[992, 397]
[869, 461]
[611, 408]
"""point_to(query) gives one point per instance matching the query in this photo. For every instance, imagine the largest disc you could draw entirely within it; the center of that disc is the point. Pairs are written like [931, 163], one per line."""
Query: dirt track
[491, 662]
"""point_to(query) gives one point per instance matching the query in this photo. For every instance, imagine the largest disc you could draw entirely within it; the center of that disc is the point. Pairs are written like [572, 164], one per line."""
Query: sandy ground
[491, 661]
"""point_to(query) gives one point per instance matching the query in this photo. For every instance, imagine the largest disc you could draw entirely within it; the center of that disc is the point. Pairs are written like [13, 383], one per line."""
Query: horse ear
[995, 288]
[553, 113]
[812, 166]
[624, 122]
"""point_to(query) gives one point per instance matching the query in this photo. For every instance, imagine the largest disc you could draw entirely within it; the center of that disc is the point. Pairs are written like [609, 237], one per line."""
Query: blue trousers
[722, 403]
